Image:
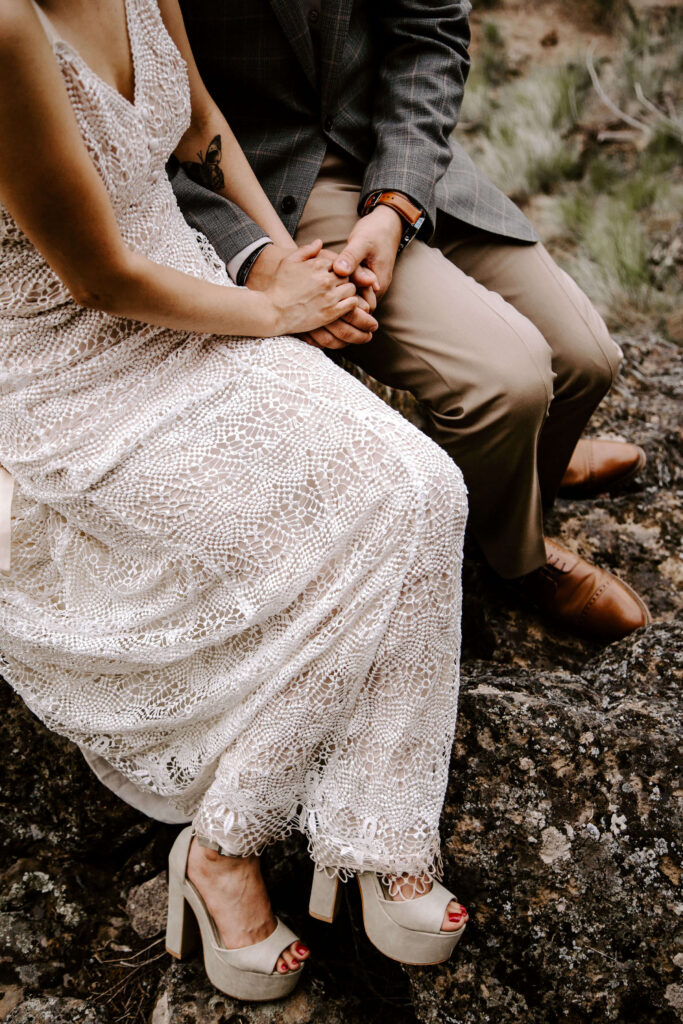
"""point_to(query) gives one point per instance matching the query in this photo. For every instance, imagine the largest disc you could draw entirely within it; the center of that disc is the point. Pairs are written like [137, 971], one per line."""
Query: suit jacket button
[288, 204]
[327, 124]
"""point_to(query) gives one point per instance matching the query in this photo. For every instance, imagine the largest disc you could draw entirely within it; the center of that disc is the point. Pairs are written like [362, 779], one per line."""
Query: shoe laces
[556, 562]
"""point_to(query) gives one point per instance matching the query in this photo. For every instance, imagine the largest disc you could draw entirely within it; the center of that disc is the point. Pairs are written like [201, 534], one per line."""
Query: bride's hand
[306, 294]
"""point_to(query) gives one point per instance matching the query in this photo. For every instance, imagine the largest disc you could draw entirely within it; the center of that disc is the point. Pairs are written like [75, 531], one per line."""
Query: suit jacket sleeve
[229, 229]
[420, 84]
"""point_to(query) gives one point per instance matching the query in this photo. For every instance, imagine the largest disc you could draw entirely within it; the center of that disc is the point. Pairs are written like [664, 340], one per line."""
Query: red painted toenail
[301, 950]
[283, 967]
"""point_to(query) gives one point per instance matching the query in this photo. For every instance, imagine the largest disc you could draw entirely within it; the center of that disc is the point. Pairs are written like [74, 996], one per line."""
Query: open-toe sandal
[405, 930]
[246, 973]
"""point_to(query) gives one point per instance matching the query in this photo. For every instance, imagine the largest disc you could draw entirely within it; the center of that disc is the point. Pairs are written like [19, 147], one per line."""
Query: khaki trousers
[508, 355]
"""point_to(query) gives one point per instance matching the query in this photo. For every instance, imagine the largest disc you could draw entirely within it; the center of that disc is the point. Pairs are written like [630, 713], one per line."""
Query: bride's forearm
[140, 289]
[304, 295]
[210, 154]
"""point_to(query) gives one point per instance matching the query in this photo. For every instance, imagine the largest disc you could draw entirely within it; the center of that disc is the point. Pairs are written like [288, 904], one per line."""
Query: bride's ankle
[206, 859]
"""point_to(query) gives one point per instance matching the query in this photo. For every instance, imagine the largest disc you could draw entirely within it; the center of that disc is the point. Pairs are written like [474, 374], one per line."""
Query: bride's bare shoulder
[18, 22]
[59, 201]
[22, 38]
[25, 51]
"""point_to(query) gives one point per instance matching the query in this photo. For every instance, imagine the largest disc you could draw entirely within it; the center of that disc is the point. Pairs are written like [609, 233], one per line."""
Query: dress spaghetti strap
[50, 30]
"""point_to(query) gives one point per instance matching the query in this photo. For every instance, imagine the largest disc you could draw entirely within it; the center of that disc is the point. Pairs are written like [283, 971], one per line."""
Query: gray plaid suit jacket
[385, 84]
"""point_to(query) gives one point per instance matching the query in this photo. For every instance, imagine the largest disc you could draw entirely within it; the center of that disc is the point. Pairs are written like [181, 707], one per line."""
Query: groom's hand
[372, 244]
[358, 326]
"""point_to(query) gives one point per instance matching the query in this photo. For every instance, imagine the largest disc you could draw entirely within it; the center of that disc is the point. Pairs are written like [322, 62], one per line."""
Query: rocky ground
[562, 827]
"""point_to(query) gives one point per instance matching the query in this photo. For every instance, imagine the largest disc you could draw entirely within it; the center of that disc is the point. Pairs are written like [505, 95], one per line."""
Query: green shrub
[523, 140]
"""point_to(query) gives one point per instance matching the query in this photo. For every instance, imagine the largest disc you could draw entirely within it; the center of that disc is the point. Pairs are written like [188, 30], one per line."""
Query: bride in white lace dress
[235, 573]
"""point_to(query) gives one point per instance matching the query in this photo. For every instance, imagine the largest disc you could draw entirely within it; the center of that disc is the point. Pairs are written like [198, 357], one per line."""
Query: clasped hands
[367, 260]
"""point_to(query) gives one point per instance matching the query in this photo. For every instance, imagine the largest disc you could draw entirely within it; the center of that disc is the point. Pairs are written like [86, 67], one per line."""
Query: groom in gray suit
[345, 110]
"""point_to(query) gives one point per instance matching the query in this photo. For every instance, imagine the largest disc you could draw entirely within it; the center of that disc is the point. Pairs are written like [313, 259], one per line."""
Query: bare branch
[674, 126]
[597, 85]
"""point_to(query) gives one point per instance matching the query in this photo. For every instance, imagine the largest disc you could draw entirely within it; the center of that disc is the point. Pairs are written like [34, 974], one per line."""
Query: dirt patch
[547, 36]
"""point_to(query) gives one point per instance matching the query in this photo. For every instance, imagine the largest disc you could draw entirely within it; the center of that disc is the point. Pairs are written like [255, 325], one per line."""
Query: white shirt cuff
[233, 267]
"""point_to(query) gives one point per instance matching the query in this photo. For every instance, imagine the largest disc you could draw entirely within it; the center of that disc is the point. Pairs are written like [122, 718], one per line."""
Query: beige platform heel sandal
[247, 973]
[405, 930]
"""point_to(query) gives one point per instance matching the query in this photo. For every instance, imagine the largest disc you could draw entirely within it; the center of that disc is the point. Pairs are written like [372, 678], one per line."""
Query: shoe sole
[319, 917]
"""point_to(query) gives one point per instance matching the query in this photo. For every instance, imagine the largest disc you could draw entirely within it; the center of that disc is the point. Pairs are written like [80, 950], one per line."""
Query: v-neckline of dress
[57, 38]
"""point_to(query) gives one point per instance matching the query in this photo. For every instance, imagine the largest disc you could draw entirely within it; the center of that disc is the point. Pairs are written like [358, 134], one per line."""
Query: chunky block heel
[325, 897]
[182, 931]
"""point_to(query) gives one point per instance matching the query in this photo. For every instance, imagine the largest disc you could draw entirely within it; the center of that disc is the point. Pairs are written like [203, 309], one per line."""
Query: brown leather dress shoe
[597, 466]
[586, 600]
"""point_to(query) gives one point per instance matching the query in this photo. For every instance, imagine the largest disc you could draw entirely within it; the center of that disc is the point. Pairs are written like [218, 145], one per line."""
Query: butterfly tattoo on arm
[208, 171]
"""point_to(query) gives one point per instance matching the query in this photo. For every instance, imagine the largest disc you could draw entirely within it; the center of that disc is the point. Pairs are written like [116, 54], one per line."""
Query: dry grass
[614, 175]
[521, 134]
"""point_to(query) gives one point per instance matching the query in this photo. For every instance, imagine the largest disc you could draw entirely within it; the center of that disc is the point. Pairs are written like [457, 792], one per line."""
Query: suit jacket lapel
[290, 14]
[333, 28]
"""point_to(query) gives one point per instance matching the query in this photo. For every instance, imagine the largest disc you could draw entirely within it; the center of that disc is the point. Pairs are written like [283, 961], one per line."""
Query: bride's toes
[281, 967]
[454, 918]
[300, 951]
[291, 956]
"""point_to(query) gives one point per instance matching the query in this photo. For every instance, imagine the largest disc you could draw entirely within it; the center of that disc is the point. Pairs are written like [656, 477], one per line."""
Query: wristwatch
[412, 216]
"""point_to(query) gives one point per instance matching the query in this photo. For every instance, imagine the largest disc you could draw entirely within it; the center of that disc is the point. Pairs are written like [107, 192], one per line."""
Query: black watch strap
[243, 272]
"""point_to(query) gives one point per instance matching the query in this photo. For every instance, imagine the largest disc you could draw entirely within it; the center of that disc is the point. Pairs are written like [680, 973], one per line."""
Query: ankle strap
[210, 845]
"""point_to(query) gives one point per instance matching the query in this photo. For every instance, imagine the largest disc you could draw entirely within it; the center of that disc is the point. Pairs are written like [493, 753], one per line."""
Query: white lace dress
[235, 572]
